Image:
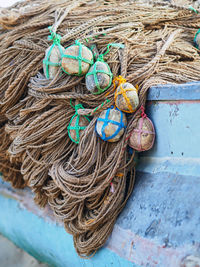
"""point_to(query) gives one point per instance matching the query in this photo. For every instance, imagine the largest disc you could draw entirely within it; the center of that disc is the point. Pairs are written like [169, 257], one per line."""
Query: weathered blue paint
[164, 207]
[187, 91]
[46, 240]
[176, 146]
[160, 224]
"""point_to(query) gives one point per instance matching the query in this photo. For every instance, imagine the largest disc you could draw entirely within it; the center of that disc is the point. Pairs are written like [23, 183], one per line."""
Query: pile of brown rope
[35, 149]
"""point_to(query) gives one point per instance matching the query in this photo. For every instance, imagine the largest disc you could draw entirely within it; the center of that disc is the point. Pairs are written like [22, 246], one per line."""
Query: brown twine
[86, 185]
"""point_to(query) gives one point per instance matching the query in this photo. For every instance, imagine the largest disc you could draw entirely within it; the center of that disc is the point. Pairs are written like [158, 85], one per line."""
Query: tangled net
[86, 185]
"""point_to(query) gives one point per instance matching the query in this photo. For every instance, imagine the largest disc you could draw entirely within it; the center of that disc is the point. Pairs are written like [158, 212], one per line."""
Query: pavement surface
[12, 256]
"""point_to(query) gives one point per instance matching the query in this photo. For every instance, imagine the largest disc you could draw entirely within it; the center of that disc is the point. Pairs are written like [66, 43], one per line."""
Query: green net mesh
[77, 128]
[79, 58]
[56, 42]
[95, 71]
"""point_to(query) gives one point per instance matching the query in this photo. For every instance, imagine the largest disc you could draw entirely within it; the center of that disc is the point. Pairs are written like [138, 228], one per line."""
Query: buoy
[77, 59]
[111, 124]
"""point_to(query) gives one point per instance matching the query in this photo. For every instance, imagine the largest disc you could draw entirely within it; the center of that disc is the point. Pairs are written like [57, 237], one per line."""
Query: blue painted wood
[187, 91]
[176, 146]
[165, 207]
[47, 241]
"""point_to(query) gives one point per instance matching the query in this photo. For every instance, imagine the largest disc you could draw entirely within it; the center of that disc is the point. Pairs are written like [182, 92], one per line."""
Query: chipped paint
[187, 91]
[146, 252]
[46, 240]
[171, 102]
[25, 200]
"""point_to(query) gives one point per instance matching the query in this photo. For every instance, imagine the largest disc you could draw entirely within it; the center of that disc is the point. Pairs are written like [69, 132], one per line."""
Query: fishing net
[86, 184]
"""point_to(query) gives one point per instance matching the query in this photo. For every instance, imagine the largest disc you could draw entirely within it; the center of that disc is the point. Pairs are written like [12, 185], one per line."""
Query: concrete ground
[12, 256]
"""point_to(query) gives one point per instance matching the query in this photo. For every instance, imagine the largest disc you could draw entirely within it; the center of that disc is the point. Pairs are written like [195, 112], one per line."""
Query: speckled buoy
[77, 59]
[99, 77]
[111, 124]
[143, 136]
[126, 97]
[52, 60]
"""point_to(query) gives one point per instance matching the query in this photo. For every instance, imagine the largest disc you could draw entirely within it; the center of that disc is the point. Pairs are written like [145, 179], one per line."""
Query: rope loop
[78, 106]
[101, 106]
[118, 79]
[193, 9]
[100, 58]
[54, 37]
[77, 42]
[118, 45]
[143, 114]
